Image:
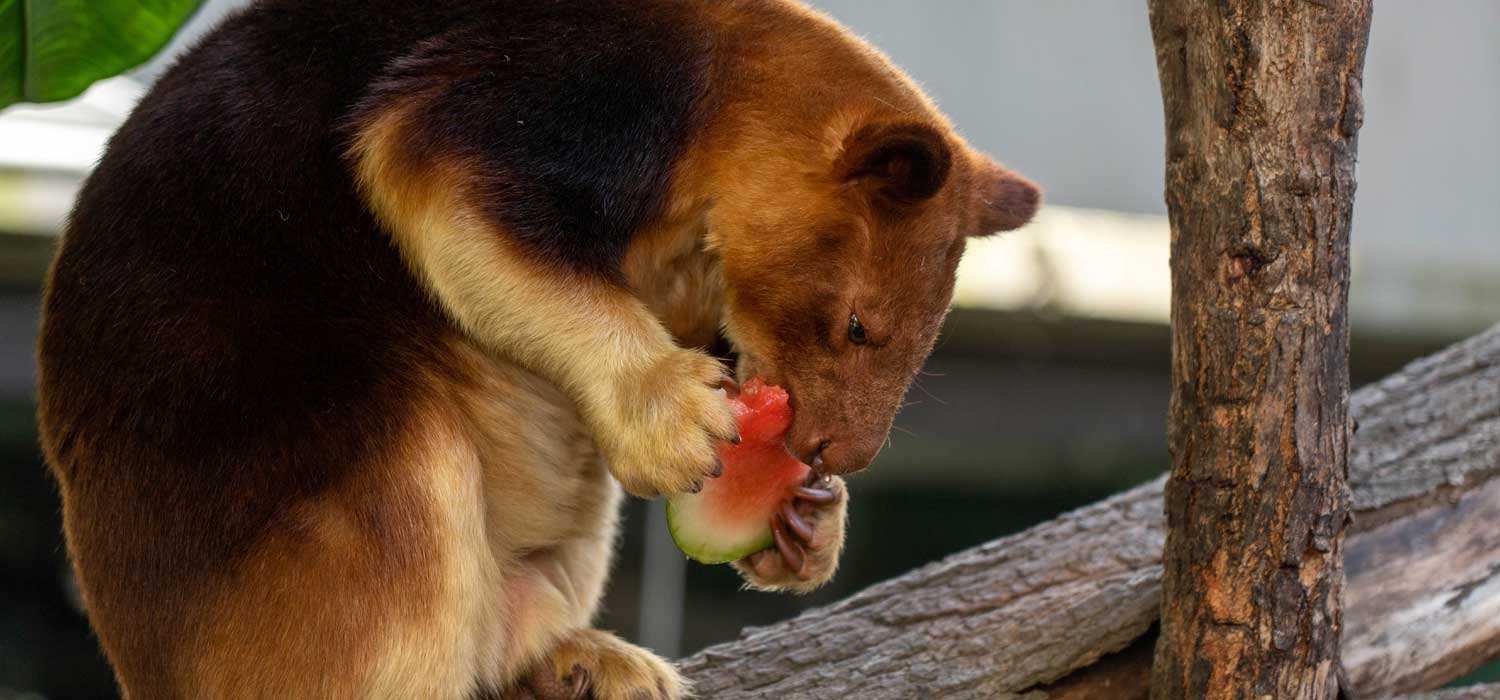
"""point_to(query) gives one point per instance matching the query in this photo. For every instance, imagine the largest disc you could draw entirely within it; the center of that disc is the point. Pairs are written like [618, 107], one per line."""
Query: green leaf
[10, 52]
[54, 49]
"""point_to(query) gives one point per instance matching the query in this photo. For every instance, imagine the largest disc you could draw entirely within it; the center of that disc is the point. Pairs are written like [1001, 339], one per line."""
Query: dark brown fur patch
[233, 351]
[228, 333]
[570, 117]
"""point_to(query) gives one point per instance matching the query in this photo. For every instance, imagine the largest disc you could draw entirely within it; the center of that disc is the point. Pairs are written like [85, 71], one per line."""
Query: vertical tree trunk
[1262, 102]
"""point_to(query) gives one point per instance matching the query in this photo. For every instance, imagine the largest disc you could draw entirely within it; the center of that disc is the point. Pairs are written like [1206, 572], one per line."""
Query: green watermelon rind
[710, 547]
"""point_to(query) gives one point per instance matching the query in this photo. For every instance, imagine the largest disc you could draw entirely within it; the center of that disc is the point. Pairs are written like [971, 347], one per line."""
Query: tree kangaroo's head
[838, 252]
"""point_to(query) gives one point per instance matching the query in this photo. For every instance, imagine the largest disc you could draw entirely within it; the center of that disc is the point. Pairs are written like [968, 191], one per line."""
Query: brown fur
[411, 494]
[801, 245]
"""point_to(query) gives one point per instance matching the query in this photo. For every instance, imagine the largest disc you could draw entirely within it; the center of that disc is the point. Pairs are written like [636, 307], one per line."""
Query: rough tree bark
[1262, 105]
[1063, 610]
[1478, 692]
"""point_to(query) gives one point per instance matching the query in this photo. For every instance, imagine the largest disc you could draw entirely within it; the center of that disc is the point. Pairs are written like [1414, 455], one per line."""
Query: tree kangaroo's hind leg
[552, 514]
[368, 590]
[579, 661]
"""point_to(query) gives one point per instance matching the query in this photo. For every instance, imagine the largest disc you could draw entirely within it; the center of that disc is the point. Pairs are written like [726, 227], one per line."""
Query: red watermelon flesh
[731, 517]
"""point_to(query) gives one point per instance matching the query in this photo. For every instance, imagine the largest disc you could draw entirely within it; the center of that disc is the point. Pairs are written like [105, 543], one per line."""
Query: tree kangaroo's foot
[593, 665]
[808, 536]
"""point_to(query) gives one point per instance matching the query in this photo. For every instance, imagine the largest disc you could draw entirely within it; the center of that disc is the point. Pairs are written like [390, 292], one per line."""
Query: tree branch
[1259, 188]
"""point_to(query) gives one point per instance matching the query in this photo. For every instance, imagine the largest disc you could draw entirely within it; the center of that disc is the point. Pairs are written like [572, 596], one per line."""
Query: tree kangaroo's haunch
[369, 305]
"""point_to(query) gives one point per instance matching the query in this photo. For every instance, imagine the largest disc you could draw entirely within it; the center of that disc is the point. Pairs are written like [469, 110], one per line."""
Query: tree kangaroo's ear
[899, 163]
[1002, 200]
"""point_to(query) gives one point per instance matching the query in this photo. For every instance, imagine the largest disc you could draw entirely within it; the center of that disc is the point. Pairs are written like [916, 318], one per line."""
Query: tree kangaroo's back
[369, 305]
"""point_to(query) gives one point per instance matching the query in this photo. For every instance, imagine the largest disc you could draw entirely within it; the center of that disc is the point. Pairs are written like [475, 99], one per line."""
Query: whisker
[904, 430]
[929, 394]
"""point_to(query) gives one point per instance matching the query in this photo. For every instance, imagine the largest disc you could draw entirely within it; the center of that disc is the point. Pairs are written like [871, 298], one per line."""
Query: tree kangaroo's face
[838, 275]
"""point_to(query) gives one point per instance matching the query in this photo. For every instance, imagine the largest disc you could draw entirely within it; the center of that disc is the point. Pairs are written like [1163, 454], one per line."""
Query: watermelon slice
[731, 517]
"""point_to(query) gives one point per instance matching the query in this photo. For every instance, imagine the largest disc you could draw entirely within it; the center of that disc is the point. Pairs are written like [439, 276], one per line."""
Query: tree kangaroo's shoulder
[561, 123]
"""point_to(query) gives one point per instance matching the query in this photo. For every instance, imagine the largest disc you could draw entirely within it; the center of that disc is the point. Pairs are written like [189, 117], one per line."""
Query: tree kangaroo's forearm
[639, 392]
[588, 336]
[570, 327]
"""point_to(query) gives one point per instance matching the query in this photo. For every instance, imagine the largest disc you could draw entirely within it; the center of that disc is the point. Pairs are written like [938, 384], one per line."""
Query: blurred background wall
[1049, 388]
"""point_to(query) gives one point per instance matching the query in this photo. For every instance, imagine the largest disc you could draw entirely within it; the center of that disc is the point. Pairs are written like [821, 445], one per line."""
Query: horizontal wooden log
[1005, 615]
[1032, 615]
[1474, 692]
[1427, 431]
[1423, 605]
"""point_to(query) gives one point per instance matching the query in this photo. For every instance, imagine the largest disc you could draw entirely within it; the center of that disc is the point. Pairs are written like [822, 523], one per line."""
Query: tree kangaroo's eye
[856, 330]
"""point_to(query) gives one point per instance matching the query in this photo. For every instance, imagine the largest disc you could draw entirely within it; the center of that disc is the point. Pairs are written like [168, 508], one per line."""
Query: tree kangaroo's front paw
[594, 665]
[809, 535]
[660, 430]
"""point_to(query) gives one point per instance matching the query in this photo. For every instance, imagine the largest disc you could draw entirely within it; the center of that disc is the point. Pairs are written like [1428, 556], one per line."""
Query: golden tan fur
[467, 554]
[742, 199]
[507, 563]
[550, 507]
[599, 343]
